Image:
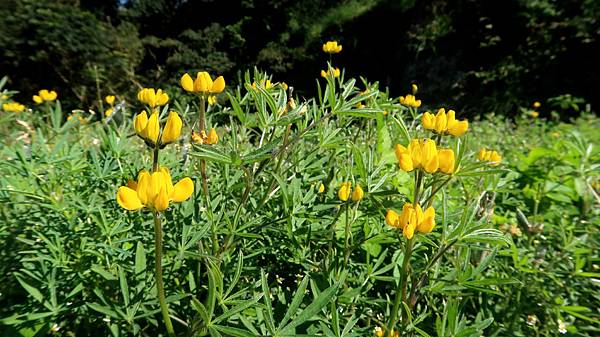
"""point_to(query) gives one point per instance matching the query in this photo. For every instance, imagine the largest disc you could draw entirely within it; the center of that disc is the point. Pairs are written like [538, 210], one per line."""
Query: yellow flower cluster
[203, 84]
[346, 191]
[154, 191]
[110, 99]
[202, 138]
[45, 96]
[335, 72]
[412, 218]
[423, 153]
[442, 122]
[149, 128]
[153, 98]
[13, 107]
[410, 101]
[490, 156]
[332, 47]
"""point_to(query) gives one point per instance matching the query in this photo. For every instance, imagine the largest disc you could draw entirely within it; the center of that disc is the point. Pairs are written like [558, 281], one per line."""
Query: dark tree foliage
[476, 56]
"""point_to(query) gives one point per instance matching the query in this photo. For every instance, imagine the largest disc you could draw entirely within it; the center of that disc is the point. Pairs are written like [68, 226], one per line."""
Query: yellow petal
[152, 128]
[187, 83]
[140, 122]
[344, 192]
[409, 231]
[213, 138]
[446, 160]
[172, 129]
[110, 99]
[406, 163]
[203, 83]
[37, 99]
[128, 199]
[358, 193]
[392, 219]
[427, 224]
[162, 200]
[143, 187]
[428, 121]
[321, 188]
[218, 85]
[182, 190]
[459, 128]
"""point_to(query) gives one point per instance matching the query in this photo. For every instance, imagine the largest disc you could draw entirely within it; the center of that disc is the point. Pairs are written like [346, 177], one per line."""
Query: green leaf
[34, 292]
[312, 309]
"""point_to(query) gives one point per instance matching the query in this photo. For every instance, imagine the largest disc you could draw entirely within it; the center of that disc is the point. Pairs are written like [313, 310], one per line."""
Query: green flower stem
[401, 289]
[155, 159]
[160, 288]
[347, 239]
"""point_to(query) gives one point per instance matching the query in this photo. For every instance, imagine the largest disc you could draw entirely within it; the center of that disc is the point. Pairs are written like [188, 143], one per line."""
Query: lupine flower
[335, 72]
[537, 104]
[149, 128]
[412, 218]
[534, 114]
[108, 112]
[153, 98]
[110, 99]
[45, 96]
[455, 127]
[442, 122]
[410, 101]
[357, 193]
[332, 47]
[203, 84]
[202, 138]
[414, 88]
[321, 188]
[490, 156]
[265, 84]
[344, 191]
[447, 161]
[419, 154]
[13, 107]
[154, 191]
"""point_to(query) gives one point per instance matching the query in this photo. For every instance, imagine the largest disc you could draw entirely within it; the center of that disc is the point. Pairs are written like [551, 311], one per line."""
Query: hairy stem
[160, 288]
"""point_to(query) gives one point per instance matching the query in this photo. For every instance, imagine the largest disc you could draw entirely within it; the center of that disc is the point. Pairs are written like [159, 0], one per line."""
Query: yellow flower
[172, 129]
[455, 127]
[213, 138]
[392, 219]
[154, 191]
[321, 188]
[110, 99]
[359, 105]
[534, 114]
[13, 107]
[428, 121]
[37, 99]
[212, 100]
[153, 98]
[410, 101]
[414, 88]
[537, 104]
[441, 121]
[149, 128]
[199, 138]
[419, 154]
[344, 191]
[203, 84]
[358, 193]
[284, 85]
[335, 72]
[413, 218]
[490, 156]
[332, 47]
[446, 159]
[47, 96]
[265, 84]
[379, 331]
[108, 112]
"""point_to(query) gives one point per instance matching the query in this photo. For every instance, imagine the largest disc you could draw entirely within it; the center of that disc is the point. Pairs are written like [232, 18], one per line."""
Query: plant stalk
[160, 289]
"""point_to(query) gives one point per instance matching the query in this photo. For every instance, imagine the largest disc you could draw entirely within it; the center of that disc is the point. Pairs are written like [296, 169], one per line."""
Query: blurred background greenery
[477, 56]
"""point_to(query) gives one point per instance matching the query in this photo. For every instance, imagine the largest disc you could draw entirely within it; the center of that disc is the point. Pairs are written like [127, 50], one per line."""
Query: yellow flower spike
[358, 193]
[187, 83]
[172, 129]
[392, 219]
[446, 160]
[213, 138]
[427, 221]
[321, 188]
[110, 99]
[344, 191]
[128, 199]
[37, 99]
[13, 107]
[332, 47]
[428, 121]
[152, 129]
[183, 190]
[218, 85]
[140, 122]
[441, 121]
